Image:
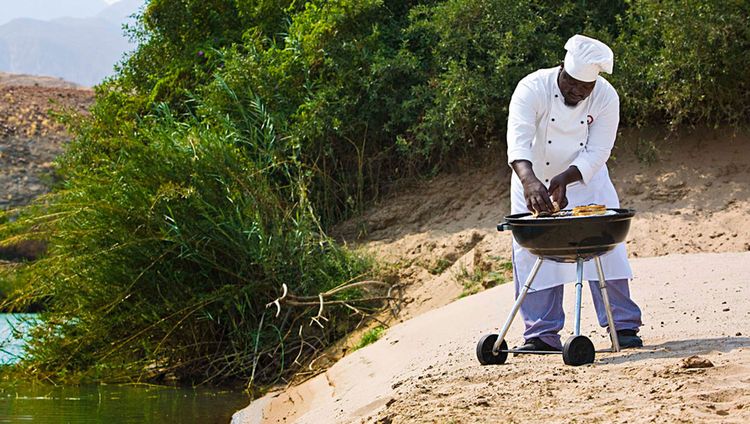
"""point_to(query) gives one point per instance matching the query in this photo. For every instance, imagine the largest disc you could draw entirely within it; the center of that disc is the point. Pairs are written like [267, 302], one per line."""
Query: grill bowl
[567, 239]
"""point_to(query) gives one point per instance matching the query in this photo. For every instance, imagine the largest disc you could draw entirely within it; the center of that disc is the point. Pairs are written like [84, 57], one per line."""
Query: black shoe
[536, 344]
[629, 339]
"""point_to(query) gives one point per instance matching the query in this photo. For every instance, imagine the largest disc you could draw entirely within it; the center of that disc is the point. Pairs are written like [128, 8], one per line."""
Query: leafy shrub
[372, 91]
[685, 61]
[163, 260]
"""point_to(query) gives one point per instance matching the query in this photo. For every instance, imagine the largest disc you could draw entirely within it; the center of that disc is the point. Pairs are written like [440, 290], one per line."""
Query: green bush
[473, 53]
[163, 260]
[373, 91]
[685, 62]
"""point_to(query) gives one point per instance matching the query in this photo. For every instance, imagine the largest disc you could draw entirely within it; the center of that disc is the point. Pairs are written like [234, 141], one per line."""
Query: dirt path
[424, 370]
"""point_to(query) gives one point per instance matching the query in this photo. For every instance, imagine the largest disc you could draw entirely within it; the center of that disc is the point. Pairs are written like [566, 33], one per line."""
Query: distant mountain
[49, 9]
[20, 80]
[81, 50]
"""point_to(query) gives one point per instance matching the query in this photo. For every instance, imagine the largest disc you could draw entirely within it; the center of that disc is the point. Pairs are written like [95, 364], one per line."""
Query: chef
[562, 125]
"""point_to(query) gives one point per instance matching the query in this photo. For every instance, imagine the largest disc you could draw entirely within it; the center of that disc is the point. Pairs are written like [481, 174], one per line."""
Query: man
[562, 126]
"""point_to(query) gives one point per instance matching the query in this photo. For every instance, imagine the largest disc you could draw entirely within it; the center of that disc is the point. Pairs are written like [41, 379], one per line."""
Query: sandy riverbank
[424, 370]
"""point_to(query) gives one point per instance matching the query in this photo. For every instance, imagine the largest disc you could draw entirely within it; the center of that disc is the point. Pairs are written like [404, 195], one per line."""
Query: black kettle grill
[568, 239]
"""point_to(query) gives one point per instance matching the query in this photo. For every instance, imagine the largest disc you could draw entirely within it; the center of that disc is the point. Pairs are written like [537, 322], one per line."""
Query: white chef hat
[587, 57]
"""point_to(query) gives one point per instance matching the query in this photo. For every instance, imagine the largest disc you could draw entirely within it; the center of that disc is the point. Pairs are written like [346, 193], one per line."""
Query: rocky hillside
[30, 137]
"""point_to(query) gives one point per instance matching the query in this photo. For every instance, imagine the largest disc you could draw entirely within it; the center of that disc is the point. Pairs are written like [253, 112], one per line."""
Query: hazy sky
[51, 9]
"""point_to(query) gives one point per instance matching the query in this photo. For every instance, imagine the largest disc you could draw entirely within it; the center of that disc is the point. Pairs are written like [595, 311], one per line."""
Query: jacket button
[553, 119]
[581, 144]
[547, 163]
[546, 181]
[581, 122]
[555, 95]
[549, 141]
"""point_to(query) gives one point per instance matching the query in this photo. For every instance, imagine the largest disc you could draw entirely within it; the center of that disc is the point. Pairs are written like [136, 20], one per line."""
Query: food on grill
[589, 210]
[545, 214]
[579, 211]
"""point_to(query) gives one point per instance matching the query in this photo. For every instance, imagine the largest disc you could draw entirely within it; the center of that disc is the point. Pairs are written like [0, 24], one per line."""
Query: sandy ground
[425, 370]
[439, 237]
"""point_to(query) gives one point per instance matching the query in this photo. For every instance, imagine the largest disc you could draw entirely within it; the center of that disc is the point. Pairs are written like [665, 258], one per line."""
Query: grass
[7, 283]
[478, 280]
[646, 151]
[440, 265]
[370, 337]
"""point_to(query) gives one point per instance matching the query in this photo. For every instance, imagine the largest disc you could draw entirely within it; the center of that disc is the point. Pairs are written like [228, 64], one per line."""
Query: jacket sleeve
[522, 116]
[602, 134]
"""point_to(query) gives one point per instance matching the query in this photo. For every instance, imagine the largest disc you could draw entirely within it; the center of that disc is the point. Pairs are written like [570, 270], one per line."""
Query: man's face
[573, 90]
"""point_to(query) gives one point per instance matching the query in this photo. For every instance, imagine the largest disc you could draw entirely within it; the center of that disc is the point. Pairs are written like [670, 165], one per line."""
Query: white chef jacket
[554, 136]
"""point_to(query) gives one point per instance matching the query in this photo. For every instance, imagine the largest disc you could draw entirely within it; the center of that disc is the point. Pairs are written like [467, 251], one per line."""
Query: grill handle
[503, 226]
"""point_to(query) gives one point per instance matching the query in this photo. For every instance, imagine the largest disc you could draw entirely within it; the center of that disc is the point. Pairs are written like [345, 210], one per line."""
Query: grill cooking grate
[567, 214]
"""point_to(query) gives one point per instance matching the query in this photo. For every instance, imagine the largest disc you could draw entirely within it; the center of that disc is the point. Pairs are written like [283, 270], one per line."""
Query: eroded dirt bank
[694, 198]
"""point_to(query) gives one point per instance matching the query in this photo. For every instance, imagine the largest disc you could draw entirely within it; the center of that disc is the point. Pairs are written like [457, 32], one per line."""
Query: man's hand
[558, 186]
[535, 193]
[557, 190]
[537, 198]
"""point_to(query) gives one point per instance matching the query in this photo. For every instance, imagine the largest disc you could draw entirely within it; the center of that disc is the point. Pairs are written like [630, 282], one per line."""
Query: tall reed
[167, 251]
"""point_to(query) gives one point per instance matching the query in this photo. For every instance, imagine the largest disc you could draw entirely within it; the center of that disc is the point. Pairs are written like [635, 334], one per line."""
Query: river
[110, 404]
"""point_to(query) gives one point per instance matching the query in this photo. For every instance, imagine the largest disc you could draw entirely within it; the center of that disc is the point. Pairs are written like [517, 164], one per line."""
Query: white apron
[564, 138]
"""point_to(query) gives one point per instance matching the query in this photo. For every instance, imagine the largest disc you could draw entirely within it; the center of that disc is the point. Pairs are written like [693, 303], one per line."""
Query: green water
[110, 404]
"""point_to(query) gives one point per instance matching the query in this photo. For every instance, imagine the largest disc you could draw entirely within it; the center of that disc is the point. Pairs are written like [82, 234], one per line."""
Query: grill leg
[579, 294]
[516, 306]
[605, 299]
